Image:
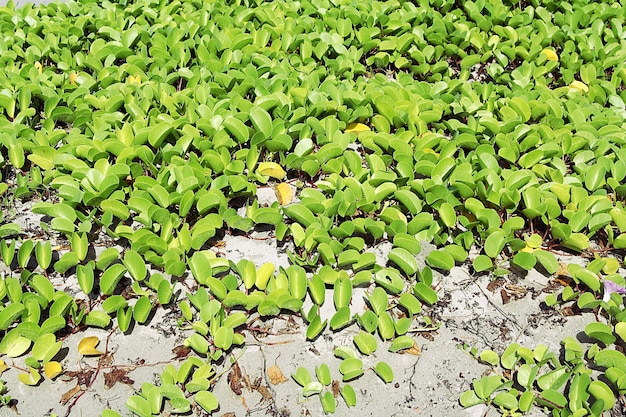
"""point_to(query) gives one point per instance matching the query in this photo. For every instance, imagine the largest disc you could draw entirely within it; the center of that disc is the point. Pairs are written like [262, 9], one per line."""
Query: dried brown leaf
[495, 284]
[84, 377]
[257, 383]
[413, 350]
[265, 392]
[65, 398]
[234, 379]
[505, 296]
[276, 375]
[181, 352]
[117, 375]
[335, 388]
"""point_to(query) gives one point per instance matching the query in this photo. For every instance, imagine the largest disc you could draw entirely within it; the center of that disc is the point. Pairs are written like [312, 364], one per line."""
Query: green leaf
[207, 401]
[312, 388]
[43, 254]
[315, 327]
[340, 319]
[13, 344]
[447, 214]
[547, 260]
[378, 301]
[9, 314]
[440, 260]
[323, 374]
[482, 263]
[601, 332]
[97, 318]
[505, 400]
[159, 133]
[365, 342]
[111, 277]
[42, 286]
[67, 261]
[300, 214]
[114, 303]
[328, 402]
[24, 252]
[85, 277]
[490, 357]
[469, 399]
[401, 343]
[525, 260]
[404, 260]
[261, 120]
[425, 293]
[602, 392]
[135, 265]
[224, 337]
[351, 368]
[495, 243]
[342, 293]
[139, 405]
[410, 303]
[142, 309]
[301, 376]
[46, 347]
[348, 395]
[384, 371]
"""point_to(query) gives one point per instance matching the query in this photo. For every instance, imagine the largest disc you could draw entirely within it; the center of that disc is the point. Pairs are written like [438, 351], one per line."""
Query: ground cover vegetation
[491, 129]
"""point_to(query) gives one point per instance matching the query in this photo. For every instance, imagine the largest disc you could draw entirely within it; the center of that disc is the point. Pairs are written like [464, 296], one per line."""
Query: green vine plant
[492, 131]
[579, 380]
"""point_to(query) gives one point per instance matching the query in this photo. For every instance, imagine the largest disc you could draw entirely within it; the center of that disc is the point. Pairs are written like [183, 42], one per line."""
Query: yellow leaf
[3, 366]
[276, 375]
[52, 369]
[133, 80]
[271, 169]
[284, 193]
[550, 54]
[39, 66]
[73, 78]
[87, 346]
[580, 86]
[356, 128]
[528, 249]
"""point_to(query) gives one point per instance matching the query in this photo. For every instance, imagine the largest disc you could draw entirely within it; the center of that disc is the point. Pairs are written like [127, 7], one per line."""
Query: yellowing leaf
[356, 128]
[39, 66]
[429, 150]
[284, 193]
[87, 346]
[133, 80]
[579, 85]
[271, 169]
[3, 366]
[73, 78]
[550, 54]
[276, 375]
[31, 378]
[52, 369]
